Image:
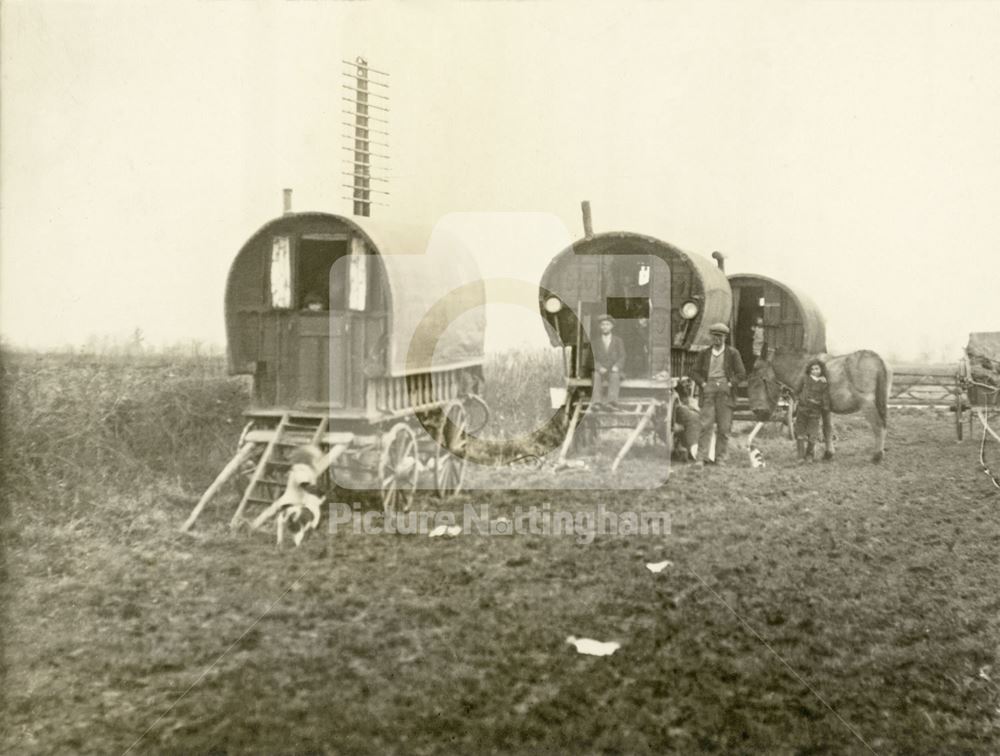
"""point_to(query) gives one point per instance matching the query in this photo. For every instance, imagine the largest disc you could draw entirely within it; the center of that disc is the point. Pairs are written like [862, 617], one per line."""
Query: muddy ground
[840, 607]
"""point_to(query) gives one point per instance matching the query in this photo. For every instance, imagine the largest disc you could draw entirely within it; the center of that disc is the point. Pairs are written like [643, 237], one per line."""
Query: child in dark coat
[813, 401]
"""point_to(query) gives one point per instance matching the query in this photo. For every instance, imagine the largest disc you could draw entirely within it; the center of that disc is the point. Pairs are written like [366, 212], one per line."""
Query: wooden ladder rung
[258, 473]
[272, 482]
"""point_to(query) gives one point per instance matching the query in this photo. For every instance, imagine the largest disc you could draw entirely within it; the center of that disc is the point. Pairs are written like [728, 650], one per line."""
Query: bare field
[840, 607]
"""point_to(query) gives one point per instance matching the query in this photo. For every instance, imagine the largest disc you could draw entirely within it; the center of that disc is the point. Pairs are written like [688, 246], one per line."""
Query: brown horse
[859, 382]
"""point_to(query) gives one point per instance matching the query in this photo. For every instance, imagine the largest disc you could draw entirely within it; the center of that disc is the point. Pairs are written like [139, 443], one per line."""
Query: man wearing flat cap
[609, 358]
[717, 371]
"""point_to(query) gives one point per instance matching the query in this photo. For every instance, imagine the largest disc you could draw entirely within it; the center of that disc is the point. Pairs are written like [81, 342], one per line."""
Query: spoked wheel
[398, 469]
[449, 461]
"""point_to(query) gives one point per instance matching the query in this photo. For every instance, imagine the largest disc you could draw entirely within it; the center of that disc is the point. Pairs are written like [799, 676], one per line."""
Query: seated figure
[687, 420]
[609, 359]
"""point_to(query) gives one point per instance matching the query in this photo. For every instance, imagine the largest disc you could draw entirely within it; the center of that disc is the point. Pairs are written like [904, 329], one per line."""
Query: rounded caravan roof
[803, 322]
[435, 299]
[692, 278]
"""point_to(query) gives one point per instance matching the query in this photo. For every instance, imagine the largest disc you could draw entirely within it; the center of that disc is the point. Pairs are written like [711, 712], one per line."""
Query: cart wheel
[398, 469]
[449, 460]
[477, 414]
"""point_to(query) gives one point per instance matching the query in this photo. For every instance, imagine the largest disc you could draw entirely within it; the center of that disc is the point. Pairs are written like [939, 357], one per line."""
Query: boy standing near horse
[717, 371]
[858, 382]
[813, 401]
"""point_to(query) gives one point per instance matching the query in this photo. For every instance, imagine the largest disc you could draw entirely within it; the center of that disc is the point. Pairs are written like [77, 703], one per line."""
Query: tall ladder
[271, 473]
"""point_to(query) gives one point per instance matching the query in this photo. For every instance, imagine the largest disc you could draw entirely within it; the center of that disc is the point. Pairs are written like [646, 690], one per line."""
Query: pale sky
[852, 149]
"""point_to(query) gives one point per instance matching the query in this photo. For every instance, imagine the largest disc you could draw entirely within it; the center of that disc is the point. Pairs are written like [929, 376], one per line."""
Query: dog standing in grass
[298, 509]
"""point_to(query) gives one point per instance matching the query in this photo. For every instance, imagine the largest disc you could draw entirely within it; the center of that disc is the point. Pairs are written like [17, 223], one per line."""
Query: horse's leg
[827, 437]
[878, 431]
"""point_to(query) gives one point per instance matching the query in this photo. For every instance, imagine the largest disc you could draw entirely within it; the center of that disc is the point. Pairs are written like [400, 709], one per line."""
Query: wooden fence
[924, 385]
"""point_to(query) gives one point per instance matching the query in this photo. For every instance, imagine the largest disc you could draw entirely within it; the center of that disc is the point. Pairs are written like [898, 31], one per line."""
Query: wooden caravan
[363, 338]
[614, 274]
[663, 301]
[791, 321]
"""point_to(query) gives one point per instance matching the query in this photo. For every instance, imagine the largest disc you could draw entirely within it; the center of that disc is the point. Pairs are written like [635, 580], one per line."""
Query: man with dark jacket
[609, 358]
[717, 371]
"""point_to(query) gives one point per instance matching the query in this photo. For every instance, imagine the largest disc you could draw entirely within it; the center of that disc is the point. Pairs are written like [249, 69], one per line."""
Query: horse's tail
[882, 382]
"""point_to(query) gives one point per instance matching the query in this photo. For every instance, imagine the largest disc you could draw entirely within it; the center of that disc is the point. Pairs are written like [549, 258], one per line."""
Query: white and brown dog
[298, 509]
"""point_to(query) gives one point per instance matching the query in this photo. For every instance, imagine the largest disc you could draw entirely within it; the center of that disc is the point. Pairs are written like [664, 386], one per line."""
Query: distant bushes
[77, 425]
[517, 390]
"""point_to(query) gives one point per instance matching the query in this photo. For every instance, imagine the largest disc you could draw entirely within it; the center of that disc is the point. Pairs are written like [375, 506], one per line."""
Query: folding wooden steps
[271, 473]
[272, 448]
[635, 414]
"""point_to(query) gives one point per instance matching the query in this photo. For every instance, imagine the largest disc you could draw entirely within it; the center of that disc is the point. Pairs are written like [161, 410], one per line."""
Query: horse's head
[764, 390]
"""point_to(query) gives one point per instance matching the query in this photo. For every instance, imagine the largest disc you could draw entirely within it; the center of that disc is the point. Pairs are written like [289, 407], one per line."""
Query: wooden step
[623, 409]
[300, 427]
[265, 436]
[272, 482]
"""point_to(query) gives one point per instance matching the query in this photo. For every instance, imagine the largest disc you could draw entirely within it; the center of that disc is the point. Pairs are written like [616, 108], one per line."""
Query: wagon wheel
[477, 414]
[449, 461]
[398, 469]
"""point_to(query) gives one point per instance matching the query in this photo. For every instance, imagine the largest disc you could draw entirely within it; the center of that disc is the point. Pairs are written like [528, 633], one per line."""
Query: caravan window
[319, 277]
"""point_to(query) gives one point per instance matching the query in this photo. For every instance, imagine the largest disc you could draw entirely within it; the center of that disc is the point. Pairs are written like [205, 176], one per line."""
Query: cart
[662, 302]
[363, 341]
[978, 383]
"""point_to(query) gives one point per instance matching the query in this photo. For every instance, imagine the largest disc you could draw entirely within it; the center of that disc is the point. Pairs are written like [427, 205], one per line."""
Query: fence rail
[932, 385]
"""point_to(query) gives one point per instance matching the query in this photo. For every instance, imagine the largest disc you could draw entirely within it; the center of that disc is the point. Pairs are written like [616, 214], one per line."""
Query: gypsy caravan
[789, 319]
[662, 301]
[362, 338]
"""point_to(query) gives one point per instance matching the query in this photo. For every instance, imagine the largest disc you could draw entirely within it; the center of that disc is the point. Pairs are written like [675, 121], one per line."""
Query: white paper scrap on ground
[655, 567]
[593, 647]
[445, 530]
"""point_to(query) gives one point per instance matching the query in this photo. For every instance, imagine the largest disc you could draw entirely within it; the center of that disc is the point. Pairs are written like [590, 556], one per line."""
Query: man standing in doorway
[717, 371]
